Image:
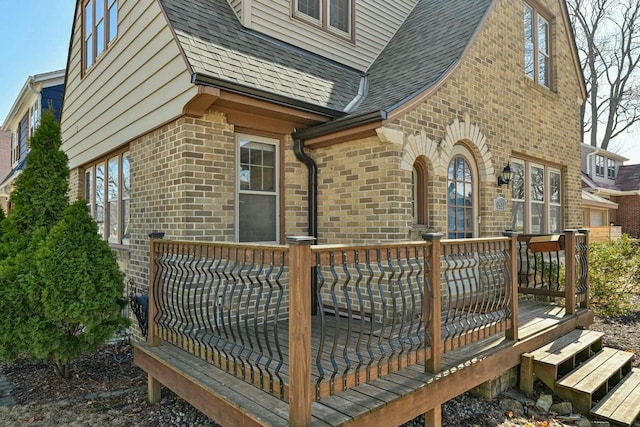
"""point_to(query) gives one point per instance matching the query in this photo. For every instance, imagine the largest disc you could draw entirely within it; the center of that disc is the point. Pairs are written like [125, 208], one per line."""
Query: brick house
[39, 92]
[614, 186]
[253, 120]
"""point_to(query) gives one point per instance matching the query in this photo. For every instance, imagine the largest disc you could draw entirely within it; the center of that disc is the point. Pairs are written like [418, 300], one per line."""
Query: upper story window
[100, 22]
[34, 118]
[599, 165]
[537, 64]
[332, 15]
[19, 140]
[611, 169]
[257, 189]
[107, 188]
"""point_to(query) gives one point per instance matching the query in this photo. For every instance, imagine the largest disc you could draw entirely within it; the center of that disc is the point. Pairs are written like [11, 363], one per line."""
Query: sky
[34, 39]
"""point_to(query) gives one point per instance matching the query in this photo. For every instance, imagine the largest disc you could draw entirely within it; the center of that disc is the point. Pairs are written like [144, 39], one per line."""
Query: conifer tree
[60, 288]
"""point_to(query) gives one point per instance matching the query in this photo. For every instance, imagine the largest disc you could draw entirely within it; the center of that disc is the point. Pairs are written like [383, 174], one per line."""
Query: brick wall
[489, 106]
[628, 215]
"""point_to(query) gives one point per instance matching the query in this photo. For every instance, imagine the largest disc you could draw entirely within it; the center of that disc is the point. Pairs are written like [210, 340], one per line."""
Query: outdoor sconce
[505, 177]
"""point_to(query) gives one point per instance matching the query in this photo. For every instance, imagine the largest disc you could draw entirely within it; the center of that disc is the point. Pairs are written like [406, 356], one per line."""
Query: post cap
[300, 240]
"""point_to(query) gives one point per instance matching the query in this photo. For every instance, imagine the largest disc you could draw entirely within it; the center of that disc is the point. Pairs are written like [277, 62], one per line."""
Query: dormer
[601, 166]
[341, 30]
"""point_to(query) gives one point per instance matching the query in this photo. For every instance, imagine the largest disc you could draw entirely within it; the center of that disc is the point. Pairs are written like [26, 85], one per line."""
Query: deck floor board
[362, 399]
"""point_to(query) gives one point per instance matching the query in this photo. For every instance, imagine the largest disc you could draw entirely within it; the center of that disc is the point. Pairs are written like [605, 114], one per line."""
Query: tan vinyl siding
[236, 5]
[375, 25]
[140, 82]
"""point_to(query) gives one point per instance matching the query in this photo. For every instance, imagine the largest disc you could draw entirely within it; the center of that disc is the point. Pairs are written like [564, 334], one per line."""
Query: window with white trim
[537, 64]
[611, 169]
[257, 189]
[107, 189]
[100, 23]
[536, 198]
[599, 165]
[332, 15]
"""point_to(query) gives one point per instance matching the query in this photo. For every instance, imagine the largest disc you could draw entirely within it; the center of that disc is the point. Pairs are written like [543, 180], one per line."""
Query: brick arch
[472, 137]
[439, 153]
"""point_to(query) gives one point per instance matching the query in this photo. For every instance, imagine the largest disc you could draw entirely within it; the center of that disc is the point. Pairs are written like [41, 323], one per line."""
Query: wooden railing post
[300, 330]
[433, 303]
[512, 330]
[154, 294]
[570, 271]
[585, 302]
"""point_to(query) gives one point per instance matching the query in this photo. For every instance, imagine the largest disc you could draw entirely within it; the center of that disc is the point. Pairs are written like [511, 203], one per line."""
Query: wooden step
[558, 358]
[622, 404]
[592, 380]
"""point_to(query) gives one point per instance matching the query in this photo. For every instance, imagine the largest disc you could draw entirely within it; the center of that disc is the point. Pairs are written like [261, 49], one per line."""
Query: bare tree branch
[608, 39]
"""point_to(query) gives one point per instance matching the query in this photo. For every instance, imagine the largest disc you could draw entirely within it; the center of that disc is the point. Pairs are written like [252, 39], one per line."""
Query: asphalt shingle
[430, 41]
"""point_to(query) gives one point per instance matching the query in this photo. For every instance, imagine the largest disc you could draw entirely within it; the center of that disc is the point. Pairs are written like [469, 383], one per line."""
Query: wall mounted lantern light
[505, 177]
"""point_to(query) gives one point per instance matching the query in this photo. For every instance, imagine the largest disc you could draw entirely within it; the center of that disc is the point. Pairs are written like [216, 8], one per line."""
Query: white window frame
[324, 20]
[611, 169]
[239, 191]
[599, 161]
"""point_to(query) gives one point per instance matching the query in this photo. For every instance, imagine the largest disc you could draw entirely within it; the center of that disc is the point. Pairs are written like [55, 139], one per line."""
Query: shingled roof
[430, 41]
[628, 178]
[217, 46]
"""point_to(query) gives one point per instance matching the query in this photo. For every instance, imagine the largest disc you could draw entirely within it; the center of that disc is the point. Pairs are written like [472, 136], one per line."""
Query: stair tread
[589, 376]
[565, 347]
[622, 404]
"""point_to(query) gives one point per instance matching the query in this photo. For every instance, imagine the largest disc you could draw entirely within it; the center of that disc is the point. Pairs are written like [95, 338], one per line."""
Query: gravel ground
[107, 389]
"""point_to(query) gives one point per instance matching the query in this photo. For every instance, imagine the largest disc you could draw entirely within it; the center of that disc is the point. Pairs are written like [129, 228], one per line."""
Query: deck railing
[223, 303]
[555, 266]
[250, 309]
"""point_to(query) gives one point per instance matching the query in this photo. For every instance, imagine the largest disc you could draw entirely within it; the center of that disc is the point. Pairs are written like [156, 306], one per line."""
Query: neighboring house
[250, 121]
[5, 164]
[613, 191]
[40, 92]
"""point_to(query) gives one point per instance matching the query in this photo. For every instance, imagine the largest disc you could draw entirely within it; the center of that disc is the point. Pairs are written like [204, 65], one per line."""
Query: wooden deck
[389, 400]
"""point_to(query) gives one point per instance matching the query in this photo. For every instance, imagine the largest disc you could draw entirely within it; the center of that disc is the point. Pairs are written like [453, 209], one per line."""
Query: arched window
[419, 203]
[461, 196]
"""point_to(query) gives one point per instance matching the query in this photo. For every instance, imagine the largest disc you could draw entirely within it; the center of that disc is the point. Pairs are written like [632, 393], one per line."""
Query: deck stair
[598, 380]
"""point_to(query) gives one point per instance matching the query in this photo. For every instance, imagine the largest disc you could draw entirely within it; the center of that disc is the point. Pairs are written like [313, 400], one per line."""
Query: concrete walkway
[6, 391]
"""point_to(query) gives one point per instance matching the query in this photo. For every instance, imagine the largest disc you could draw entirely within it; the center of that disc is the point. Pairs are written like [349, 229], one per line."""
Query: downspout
[298, 149]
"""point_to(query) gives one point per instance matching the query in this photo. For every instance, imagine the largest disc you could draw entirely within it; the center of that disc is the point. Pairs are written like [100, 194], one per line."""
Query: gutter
[202, 79]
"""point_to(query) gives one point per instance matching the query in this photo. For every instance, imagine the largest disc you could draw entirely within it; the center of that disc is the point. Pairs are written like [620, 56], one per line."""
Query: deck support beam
[433, 418]
[153, 389]
[526, 374]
